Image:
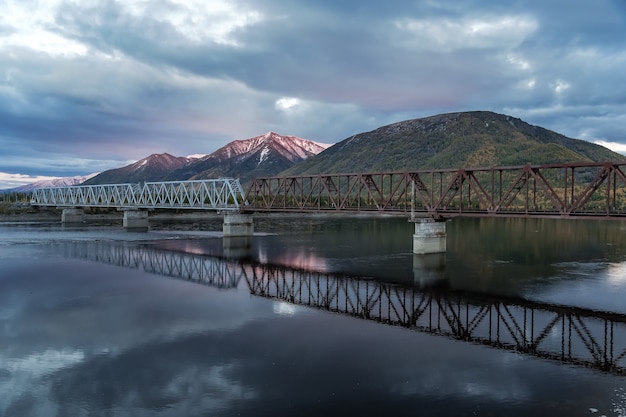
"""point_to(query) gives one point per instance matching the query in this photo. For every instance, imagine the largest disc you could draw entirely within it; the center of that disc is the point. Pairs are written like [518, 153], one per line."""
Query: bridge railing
[220, 194]
[580, 189]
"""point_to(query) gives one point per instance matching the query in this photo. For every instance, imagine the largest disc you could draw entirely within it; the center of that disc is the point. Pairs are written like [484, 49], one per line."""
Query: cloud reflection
[25, 375]
[285, 309]
[616, 274]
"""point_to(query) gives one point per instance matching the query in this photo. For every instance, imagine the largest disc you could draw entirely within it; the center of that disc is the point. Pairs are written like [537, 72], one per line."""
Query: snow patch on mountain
[264, 154]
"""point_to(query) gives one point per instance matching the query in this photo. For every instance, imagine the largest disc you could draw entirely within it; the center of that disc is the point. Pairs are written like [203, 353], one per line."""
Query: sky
[87, 85]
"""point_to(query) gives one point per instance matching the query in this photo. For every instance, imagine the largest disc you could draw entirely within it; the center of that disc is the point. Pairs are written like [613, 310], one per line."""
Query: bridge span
[430, 197]
[223, 195]
[587, 190]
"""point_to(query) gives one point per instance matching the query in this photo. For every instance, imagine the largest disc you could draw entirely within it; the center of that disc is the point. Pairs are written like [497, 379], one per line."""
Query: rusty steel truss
[593, 190]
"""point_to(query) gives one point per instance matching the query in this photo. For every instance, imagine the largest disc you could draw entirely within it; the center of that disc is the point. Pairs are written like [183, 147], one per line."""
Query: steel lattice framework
[211, 271]
[565, 334]
[561, 190]
[221, 194]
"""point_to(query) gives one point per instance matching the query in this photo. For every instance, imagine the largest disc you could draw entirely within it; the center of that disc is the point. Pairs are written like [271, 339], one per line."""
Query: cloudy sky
[88, 85]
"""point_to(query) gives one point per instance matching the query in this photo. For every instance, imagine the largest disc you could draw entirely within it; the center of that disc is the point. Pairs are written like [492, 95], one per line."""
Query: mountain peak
[291, 147]
[261, 155]
[151, 168]
[272, 135]
[159, 161]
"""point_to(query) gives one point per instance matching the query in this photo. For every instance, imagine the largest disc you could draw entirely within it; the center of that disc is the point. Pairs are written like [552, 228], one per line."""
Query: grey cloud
[146, 84]
[343, 56]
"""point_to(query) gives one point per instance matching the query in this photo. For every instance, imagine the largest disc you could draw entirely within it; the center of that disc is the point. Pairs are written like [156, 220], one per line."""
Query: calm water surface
[315, 316]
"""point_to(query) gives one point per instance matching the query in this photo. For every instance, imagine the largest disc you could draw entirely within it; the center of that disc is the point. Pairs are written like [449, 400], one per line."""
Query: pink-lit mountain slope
[263, 155]
[152, 168]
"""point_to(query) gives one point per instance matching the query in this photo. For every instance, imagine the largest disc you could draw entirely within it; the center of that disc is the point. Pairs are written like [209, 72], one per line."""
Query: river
[313, 316]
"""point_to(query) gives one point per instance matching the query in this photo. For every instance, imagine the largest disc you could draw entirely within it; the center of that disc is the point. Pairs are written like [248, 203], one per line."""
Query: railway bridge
[580, 190]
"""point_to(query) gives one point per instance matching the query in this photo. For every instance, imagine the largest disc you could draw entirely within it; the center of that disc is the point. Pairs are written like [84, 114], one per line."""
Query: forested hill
[453, 140]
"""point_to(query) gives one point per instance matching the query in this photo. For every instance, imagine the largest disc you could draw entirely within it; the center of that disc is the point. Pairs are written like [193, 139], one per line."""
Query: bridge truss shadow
[569, 335]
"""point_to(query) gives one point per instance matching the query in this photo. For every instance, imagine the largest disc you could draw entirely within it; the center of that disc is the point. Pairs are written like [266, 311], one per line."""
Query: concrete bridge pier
[136, 220]
[429, 236]
[72, 215]
[237, 225]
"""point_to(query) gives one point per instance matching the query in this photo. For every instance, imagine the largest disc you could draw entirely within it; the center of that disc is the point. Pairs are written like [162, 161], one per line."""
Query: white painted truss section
[224, 194]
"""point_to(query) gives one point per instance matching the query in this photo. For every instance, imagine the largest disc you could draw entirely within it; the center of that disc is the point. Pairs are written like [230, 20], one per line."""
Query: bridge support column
[72, 215]
[429, 236]
[135, 219]
[238, 224]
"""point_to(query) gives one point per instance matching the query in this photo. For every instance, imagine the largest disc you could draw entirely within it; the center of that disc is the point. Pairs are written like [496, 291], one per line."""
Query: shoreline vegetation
[24, 212]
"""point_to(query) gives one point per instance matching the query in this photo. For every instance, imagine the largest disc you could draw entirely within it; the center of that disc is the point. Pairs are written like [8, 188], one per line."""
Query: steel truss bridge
[568, 335]
[221, 194]
[588, 190]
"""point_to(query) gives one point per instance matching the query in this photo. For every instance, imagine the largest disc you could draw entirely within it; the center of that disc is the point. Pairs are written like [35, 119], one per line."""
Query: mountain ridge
[55, 182]
[261, 155]
[149, 168]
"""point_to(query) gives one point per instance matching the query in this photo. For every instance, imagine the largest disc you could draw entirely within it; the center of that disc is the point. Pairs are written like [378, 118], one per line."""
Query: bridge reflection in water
[566, 334]
[186, 266]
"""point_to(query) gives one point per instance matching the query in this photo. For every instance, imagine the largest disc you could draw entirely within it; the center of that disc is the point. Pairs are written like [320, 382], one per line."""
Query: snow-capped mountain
[152, 168]
[291, 147]
[55, 182]
[263, 155]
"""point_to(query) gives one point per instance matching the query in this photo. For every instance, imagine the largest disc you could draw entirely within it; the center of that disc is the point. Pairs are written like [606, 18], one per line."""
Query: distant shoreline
[53, 215]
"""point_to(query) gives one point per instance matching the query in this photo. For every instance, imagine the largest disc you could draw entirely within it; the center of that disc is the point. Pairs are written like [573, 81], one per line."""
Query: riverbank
[53, 215]
[26, 213]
